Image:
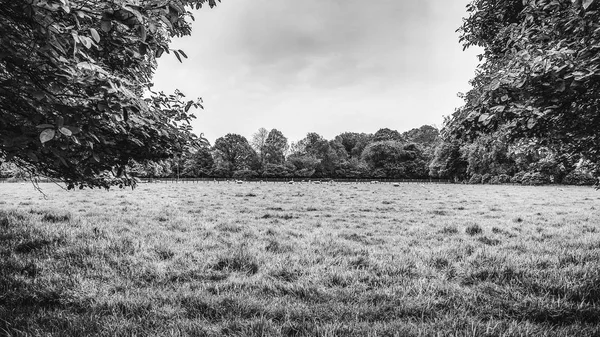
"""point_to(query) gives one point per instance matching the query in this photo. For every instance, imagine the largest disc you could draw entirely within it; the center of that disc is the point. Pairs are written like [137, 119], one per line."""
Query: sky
[325, 66]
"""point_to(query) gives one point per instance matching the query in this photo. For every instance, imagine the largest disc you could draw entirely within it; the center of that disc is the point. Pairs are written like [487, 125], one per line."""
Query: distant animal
[239, 182]
[396, 184]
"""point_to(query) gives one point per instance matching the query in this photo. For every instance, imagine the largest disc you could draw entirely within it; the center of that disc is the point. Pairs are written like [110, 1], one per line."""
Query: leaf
[44, 126]
[166, 21]
[142, 33]
[137, 14]
[188, 105]
[520, 83]
[60, 121]
[182, 53]
[32, 156]
[106, 25]
[498, 108]
[103, 106]
[494, 85]
[74, 129]
[143, 49]
[65, 131]
[95, 35]
[47, 135]
[87, 42]
[483, 118]
[587, 3]
[531, 123]
[177, 54]
[96, 158]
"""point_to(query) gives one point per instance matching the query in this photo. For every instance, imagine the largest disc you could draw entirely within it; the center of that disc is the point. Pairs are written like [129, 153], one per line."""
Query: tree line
[420, 153]
[385, 154]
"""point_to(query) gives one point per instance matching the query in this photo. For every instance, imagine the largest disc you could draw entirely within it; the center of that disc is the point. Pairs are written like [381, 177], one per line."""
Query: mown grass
[300, 260]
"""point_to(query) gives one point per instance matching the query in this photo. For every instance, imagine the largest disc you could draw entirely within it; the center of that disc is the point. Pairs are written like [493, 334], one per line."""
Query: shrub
[486, 178]
[503, 178]
[518, 177]
[475, 179]
[243, 174]
[535, 178]
[578, 178]
[495, 180]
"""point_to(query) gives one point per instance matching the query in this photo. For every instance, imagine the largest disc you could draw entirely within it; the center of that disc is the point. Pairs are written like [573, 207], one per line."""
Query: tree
[352, 168]
[426, 134]
[258, 144]
[448, 162]
[234, 153]
[387, 134]
[328, 154]
[540, 75]
[278, 170]
[275, 147]
[354, 143]
[72, 79]
[305, 164]
[392, 158]
[199, 164]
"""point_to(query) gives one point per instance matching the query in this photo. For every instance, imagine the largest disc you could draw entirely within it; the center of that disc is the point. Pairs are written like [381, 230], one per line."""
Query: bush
[495, 180]
[242, 174]
[535, 178]
[579, 178]
[504, 178]
[518, 177]
[486, 178]
[475, 179]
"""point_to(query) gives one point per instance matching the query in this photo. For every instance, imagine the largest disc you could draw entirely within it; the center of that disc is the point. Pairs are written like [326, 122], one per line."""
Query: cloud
[322, 65]
[327, 43]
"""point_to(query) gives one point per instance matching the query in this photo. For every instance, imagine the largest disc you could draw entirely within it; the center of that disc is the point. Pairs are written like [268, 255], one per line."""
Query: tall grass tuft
[239, 259]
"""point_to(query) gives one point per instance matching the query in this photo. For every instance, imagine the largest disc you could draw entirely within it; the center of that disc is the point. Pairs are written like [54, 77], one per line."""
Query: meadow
[273, 259]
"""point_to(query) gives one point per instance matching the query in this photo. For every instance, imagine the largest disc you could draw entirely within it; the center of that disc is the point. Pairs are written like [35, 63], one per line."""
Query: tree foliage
[387, 134]
[73, 74]
[258, 143]
[234, 153]
[199, 163]
[540, 75]
[275, 147]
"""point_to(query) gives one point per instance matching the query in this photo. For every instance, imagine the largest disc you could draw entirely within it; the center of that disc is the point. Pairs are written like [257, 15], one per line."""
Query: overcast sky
[325, 66]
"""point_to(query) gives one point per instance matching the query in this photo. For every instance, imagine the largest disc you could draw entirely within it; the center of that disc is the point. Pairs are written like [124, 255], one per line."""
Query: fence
[295, 180]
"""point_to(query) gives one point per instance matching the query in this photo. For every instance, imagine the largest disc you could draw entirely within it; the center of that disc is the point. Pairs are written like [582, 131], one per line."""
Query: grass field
[300, 260]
